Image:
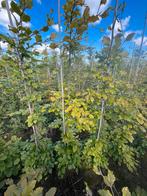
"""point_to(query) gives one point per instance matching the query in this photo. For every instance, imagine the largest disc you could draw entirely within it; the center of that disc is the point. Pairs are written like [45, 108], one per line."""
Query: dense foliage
[64, 111]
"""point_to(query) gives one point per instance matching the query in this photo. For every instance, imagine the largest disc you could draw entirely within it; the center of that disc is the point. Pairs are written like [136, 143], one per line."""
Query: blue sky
[132, 19]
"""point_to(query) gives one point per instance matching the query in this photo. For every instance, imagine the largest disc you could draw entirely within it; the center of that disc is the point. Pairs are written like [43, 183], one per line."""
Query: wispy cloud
[123, 25]
[137, 41]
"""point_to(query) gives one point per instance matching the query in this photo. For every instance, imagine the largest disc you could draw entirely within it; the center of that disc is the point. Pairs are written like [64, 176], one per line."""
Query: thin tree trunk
[112, 34]
[61, 72]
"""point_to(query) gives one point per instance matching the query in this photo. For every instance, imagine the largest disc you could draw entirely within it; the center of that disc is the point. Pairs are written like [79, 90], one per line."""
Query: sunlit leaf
[25, 18]
[3, 4]
[51, 192]
[15, 8]
[104, 193]
[109, 179]
[126, 192]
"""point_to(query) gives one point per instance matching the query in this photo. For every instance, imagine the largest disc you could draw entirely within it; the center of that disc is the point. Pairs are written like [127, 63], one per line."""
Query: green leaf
[15, 8]
[104, 193]
[16, 161]
[45, 29]
[3, 4]
[130, 36]
[38, 38]
[35, 32]
[109, 179]
[25, 18]
[126, 192]
[50, 22]
[38, 192]
[139, 192]
[51, 192]
[14, 30]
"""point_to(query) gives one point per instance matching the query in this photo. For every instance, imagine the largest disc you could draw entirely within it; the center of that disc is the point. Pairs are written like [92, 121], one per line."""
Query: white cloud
[94, 6]
[4, 20]
[43, 47]
[125, 23]
[56, 27]
[3, 45]
[137, 41]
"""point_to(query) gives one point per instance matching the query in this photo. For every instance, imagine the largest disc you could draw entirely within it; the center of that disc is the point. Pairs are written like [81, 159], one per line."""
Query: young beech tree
[21, 41]
[76, 24]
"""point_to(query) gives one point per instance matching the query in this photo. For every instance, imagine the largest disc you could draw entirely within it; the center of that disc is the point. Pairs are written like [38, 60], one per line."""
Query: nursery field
[72, 110]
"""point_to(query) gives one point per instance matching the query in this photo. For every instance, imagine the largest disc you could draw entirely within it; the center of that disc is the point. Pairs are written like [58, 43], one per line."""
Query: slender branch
[112, 34]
